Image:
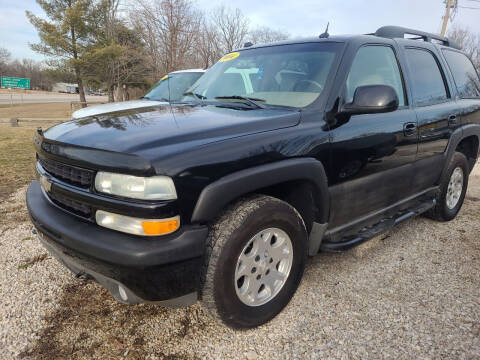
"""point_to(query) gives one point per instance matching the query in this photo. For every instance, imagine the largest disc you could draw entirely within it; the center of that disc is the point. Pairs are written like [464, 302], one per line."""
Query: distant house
[65, 88]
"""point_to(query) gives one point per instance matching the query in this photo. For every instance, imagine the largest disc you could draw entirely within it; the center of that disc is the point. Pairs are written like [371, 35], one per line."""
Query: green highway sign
[15, 82]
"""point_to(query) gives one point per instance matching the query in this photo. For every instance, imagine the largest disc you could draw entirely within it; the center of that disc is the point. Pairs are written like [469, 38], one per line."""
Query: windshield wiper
[250, 100]
[195, 95]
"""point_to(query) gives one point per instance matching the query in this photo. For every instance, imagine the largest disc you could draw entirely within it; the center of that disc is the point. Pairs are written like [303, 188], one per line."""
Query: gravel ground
[410, 294]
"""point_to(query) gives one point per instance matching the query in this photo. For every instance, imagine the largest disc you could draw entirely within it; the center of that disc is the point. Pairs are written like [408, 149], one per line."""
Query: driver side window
[375, 65]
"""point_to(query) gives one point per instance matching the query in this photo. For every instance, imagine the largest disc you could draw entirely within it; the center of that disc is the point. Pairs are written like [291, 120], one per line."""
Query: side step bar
[377, 229]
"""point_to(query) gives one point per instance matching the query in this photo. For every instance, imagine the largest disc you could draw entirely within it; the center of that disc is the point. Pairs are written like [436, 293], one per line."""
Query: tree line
[104, 44]
[110, 45]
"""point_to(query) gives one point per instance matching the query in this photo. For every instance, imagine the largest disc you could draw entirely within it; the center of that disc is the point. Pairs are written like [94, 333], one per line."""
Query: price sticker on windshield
[229, 57]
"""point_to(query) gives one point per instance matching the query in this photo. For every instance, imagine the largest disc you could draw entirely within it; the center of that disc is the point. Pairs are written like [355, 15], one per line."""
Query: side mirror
[372, 99]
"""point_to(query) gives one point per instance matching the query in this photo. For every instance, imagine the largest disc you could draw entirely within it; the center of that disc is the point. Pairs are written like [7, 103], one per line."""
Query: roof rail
[400, 32]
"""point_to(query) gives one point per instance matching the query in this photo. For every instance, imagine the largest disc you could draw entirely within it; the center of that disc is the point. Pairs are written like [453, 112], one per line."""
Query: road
[44, 98]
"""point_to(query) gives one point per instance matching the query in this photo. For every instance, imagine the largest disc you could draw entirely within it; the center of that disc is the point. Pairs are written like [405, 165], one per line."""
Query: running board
[377, 229]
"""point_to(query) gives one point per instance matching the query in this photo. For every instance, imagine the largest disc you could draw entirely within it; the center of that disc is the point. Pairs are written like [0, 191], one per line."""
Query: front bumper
[156, 269]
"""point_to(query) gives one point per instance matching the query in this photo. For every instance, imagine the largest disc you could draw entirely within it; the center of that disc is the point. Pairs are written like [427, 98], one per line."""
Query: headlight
[136, 226]
[144, 188]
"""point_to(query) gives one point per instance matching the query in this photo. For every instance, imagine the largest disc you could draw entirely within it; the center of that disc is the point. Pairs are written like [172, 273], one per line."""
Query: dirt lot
[413, 293]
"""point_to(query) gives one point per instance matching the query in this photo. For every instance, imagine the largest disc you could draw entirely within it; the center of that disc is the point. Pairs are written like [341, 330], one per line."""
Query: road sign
[15, 82]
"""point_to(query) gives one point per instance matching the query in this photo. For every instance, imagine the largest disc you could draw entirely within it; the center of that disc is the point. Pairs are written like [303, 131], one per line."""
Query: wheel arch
[458, 140]
[282, 179]
[468, 146]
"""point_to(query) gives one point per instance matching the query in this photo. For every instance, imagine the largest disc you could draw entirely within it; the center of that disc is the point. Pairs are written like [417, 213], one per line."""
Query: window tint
[464, 74]
[427, 81]
[375, 65]
[286, 75]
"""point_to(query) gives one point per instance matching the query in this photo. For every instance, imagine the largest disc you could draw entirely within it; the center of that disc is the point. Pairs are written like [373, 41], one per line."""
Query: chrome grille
[68, 173]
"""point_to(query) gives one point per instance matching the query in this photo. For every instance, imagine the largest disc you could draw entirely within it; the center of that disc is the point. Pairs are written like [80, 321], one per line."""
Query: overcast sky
[297, 17]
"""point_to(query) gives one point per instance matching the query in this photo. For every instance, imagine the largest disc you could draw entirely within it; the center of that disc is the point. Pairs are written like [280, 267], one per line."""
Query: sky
[299, 18]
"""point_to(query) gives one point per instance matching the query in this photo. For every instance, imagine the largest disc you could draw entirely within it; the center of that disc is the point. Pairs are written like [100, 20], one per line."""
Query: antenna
[325, 34]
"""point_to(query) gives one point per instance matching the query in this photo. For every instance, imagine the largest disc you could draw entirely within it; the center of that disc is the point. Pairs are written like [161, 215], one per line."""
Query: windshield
[287, 75]
[178, 84]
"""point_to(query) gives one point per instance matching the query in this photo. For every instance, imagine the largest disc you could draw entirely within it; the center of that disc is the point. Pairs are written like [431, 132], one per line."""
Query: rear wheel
[257, 253]
[453, 187]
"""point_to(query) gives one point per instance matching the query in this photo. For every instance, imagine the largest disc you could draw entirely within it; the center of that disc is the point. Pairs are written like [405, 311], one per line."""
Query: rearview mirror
[372, 99]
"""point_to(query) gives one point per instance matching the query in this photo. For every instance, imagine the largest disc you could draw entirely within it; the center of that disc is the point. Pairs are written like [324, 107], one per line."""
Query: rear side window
[375, 65]
[428, 86]
[464, 74]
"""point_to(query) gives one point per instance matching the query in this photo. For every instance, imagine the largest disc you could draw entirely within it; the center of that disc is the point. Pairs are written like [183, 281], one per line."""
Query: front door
[372, 155]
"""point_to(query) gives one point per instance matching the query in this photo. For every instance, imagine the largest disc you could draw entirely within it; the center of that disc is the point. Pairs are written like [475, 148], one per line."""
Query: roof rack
[400, 32]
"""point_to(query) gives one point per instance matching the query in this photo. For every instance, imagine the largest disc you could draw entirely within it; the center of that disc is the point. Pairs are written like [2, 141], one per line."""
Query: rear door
[372, 155]
[467, 84]
[437, 113]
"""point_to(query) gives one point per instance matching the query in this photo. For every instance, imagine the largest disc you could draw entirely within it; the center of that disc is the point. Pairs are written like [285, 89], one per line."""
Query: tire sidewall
[458, 160]
[270, 214]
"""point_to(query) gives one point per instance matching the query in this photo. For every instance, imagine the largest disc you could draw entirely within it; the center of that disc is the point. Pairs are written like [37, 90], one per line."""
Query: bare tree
[4, 55]
[4, 59]
[468, 41]
[208, 47]
[232, 27]
[265, 34]
[170, 29]
[27, 68]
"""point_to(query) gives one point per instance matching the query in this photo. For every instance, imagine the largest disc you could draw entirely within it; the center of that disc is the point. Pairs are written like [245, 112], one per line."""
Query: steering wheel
[309, 82]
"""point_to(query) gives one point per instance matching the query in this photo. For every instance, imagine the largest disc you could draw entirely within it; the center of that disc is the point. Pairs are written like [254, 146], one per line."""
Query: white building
[65, 88]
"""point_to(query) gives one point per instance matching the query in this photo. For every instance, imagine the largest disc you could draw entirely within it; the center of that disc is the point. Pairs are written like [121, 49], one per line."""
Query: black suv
[277, 152]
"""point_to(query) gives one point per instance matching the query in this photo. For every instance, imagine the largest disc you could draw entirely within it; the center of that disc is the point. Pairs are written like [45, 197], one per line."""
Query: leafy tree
[65, 36]
[117, 57]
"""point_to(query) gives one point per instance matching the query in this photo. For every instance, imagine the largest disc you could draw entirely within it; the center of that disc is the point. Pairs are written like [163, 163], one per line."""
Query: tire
[234, 244]
[447, 208]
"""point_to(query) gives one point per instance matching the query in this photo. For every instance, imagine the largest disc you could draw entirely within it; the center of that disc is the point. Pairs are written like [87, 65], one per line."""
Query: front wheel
[257, 253]
[453, 187]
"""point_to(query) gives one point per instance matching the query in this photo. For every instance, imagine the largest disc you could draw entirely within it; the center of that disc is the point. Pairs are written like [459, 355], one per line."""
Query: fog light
[137, 226]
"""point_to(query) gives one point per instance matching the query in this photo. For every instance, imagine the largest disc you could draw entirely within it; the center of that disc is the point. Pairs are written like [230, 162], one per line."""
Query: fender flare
[457, 136]
[215, 196]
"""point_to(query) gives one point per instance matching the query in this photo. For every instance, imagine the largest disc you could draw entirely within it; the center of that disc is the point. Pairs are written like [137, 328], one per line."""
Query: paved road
[43, 98]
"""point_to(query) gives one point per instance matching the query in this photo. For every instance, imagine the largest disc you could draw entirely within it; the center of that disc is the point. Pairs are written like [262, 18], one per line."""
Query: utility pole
[446, 16]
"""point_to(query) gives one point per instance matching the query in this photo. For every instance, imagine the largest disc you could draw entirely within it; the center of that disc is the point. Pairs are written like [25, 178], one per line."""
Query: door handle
[409, 128]
[452, 120]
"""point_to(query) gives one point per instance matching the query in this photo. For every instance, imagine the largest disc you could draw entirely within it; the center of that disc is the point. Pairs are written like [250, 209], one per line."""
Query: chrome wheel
[263, 266]
[455, 187]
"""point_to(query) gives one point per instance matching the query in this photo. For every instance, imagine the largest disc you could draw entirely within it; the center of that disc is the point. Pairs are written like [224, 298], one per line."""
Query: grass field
[59, 110]
[16, 160]
[17, 157]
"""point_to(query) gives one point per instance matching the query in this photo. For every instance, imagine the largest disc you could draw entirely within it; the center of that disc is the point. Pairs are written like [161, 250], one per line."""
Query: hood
[157, 131]
[113, 107]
